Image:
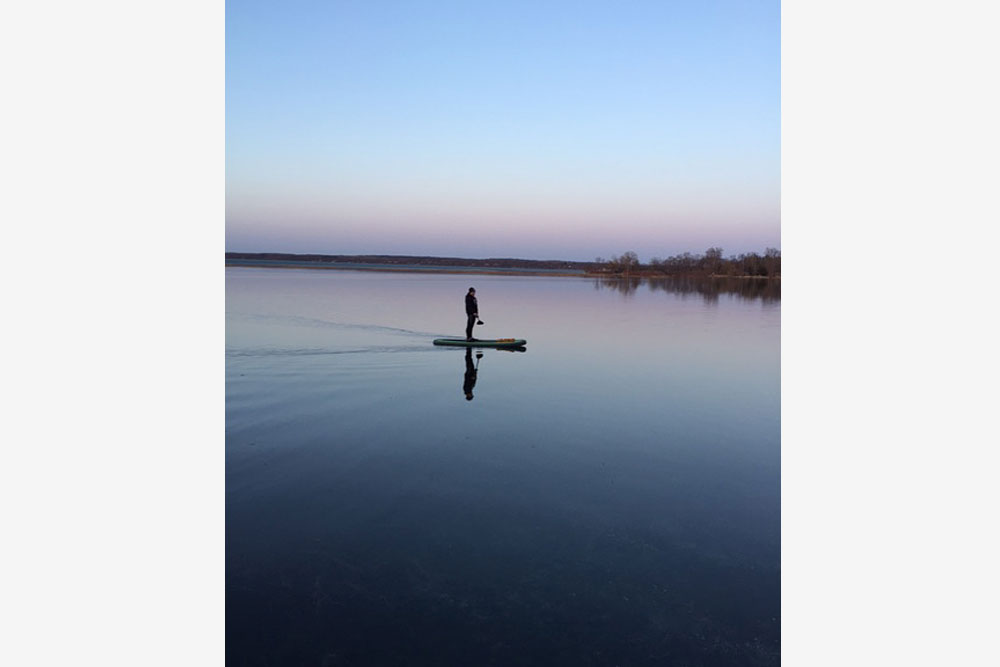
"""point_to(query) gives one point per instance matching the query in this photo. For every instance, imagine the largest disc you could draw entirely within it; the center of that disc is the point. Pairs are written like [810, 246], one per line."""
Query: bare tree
[712, 262]
[629, 262]
[772, 262]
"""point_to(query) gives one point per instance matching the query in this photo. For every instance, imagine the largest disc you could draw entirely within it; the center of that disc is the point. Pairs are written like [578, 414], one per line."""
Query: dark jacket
[471, 305]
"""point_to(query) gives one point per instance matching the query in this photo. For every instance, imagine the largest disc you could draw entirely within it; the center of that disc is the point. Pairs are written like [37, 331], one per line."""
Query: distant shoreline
[242, 264]
[449, 265]
[502, 264]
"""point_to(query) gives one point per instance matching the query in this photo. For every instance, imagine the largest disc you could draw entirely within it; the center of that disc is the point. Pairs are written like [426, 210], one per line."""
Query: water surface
[609, 496]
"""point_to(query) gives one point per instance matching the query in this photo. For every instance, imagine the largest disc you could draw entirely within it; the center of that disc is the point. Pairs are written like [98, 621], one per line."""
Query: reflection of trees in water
[709, 289]
[626, 286]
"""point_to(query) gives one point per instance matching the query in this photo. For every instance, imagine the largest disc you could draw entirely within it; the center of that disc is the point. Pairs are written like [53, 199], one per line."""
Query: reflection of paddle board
[490, 342]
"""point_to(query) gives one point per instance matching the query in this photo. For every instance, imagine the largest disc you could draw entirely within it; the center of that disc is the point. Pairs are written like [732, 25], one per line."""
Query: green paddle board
[486, 342]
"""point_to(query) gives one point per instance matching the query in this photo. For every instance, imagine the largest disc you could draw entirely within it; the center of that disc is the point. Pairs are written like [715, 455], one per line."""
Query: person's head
[472, 290]
[468, 396]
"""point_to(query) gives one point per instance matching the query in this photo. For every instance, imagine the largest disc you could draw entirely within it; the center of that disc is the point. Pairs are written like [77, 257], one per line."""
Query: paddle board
[486, 342]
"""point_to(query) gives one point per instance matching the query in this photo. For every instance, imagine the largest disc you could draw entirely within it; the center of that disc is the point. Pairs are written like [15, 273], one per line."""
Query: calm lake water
[610, 496]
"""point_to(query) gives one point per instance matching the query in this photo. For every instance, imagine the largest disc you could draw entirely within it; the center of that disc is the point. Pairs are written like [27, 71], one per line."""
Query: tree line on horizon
[710, 263]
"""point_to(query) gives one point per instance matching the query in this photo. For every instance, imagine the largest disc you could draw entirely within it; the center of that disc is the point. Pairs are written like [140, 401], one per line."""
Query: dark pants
[468, 327]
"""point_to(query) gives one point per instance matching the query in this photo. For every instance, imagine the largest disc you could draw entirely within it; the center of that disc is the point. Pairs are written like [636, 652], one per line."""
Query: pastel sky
[539, 129]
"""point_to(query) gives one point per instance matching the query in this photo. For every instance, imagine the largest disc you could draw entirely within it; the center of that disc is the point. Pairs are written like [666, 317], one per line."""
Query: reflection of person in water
[470, 373]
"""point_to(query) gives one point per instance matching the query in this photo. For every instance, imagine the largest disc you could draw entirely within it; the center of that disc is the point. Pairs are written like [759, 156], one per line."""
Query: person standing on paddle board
[471, 312]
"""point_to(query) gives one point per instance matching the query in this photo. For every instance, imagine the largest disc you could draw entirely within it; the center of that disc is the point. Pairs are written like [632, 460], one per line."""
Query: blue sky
[529, 129]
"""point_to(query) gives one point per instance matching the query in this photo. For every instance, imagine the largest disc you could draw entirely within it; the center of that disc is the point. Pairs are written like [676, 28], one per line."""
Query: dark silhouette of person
[470, 374]
[471, 312]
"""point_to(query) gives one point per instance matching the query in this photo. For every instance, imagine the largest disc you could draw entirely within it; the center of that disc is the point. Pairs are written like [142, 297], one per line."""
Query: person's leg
[468, 327]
